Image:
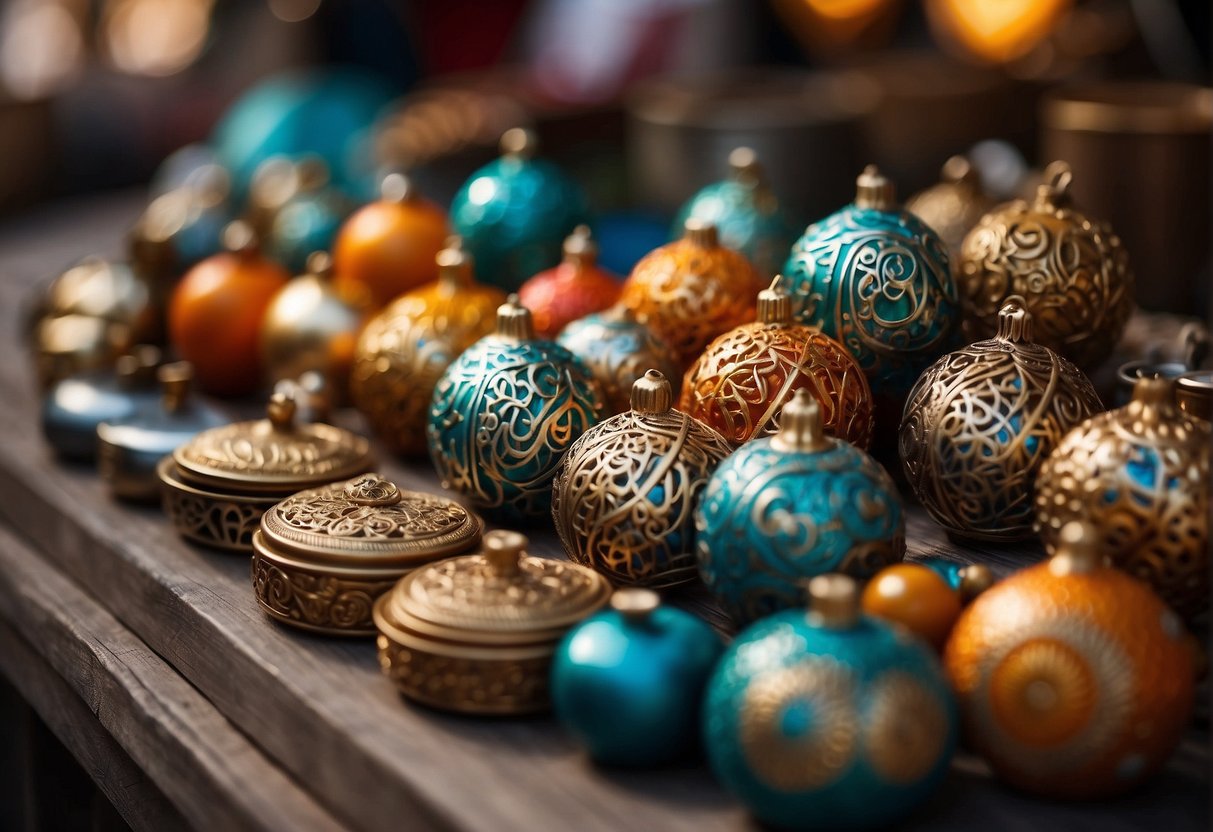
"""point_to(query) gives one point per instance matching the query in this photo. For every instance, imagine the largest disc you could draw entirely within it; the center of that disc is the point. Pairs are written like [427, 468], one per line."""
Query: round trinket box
[217, 485]
[477, 633]
[322, 557]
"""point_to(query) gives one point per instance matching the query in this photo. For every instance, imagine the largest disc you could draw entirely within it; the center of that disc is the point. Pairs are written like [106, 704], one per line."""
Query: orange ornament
[691, 290]
[575, 288]
[216, 312]
[916, 597]
[1074, 679]
[388, 247]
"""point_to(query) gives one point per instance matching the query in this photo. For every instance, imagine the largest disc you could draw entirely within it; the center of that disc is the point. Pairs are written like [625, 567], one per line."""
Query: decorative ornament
[743, 379]
[970, 580]
[308, 223]
[916, 597]
[691, 290]
[505, 413]
[877, 279]
[624, 497]
[405, 349]
[1140, 475]
[515, 212]
[829, 719]
[745, 212]
[575, 288]
[981, 421]
[792, 506]
[1074, 679]
[628, 682]
[953, 206]
[389, 247]
[216, 312]
[1069, 271]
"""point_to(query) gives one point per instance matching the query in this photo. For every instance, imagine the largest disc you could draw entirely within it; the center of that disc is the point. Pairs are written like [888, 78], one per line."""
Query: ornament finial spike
[514, 320]
[833, 601]
[239, 237]
[745, 165]
[518, 143]
[504, 551]
[580, 248]
[958, 169]
[874, 190]
[651, 393]
[800, 425]
[1078, 549]
[700, 233]
[175, 381]
[975, 579]
[397, 188]
[1014, 322]
[774, 303]
[635, 604]
[454, 263]
[1055, 189]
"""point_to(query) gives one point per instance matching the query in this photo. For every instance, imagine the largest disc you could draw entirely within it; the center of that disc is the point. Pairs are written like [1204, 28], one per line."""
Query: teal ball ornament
[745, 212]
[307, 224]
[829, 719]
[504, 414]
[628, 682]
[786, 508]
[514, 213]
[877, 278]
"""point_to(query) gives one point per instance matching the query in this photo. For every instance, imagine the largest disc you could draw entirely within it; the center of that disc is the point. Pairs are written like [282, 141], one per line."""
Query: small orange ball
[389, 247]
[570, 290]
[915, 596]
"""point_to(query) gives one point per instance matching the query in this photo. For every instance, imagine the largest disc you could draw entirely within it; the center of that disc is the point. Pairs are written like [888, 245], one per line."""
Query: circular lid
[499, 590]
[370, 520]
[274, 454]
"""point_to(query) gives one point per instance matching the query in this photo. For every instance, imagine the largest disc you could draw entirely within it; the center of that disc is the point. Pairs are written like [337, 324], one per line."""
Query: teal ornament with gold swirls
[829, 719]
[786, 508]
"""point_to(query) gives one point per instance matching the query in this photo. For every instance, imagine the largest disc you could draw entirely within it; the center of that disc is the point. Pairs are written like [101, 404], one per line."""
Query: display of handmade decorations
[952, 206]
[980, 422]
[784, 509]
[744, 377]
[405, 349]
[1140, 475]
[624, 496]
[877, 279]
[1069, 271]
[1074, 679]
[628, 682]
[576, 287]
[505, 413]
[691, 290]
[745, 211]
[514, 213]
[915, 596]
[829, 719]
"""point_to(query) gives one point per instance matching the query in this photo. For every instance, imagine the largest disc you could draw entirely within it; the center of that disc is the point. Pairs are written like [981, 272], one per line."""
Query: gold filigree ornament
[953, 205]
[980, 422]
[1139, 474]
[1069, 271]
[476, 633]
[216, 486]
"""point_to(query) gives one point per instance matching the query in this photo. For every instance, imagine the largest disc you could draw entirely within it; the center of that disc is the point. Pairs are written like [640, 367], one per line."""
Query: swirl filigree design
[623, 500]
[218, 522]
[746, 376]
[502, 418]
[879, 282]
[258, 452]
[1070, 272]
[337, 606]
[906, 727]
[770, 519]
[618, 350]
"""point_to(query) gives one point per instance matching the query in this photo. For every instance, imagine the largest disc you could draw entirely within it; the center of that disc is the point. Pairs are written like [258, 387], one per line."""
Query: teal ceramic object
[784, 509]
[505, 413]
[306, 224]
[515, 212]
[627, 683]
[829, 719]
[877, 279]
[745, 212]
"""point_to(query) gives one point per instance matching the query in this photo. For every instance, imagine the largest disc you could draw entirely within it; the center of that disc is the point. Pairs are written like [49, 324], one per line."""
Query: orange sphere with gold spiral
[1074, 679]
[691, 290]
[576, 287]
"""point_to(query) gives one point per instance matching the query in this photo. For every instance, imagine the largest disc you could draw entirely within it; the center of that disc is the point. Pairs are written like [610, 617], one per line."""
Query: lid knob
[700, 233]
[874, 190]
[651, 393]
[975, 579]
[371, 490]
[239, 238]
[800, 425]
[320, 264]
[833, 601]
[504, 551]
[396, 188]
[745, 166]
[454, 263]
[1014, 323]
[1078, 550]
[518, 143]
[579, 247]
[175, 380]
[1054, 191]
[774, 303]
[281, 409]
[635, 604]
[514, 320]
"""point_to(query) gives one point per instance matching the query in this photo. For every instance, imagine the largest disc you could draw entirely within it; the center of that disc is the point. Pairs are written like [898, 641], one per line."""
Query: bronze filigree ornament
[624, 497]
[980, 422]
[1140, 475]
[953, 205]
[1069, 271]
[743, 379]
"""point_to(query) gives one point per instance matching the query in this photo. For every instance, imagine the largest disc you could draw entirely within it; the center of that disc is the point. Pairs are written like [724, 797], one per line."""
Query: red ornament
[575, 288]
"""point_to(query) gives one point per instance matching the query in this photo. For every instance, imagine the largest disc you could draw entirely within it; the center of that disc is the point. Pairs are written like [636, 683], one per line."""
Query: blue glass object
[306, 224]
[72, 409]
[628, 682]
[877, 279]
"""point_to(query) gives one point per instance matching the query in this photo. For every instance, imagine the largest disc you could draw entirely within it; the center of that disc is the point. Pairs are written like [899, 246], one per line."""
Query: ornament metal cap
[514, 320]
[175, 380]
[320, 264]
[774, 303]
[833, 601]
[1054, 191]
[745, 166]
[397, 188]
[975, 579]
[958, 170]
[518, 143]
[580, 248]
[800, 426]
[454, 263]
[635, 604]
[1077, 550]
[651, 393]
[874, 190]
[504, 551]
[240, 238]
[700, 233]
[1014, 323]
[138, 367]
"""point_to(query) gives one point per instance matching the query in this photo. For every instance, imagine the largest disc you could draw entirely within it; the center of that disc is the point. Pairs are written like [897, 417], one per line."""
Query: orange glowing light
[997, 31]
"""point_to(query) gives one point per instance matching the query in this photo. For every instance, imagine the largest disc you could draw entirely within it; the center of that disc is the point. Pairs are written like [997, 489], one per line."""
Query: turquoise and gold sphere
[829, 719]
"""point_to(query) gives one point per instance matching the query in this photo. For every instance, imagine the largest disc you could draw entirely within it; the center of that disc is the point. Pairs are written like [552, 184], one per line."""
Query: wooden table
[150, 660]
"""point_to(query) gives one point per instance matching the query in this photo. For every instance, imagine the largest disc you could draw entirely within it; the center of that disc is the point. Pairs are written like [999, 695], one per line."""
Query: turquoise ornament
[877, 279]
[830, 719]
[515, 212]
[745, 212]
[628, 682]
[307, 224]
[787, 508]
[505, 413]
